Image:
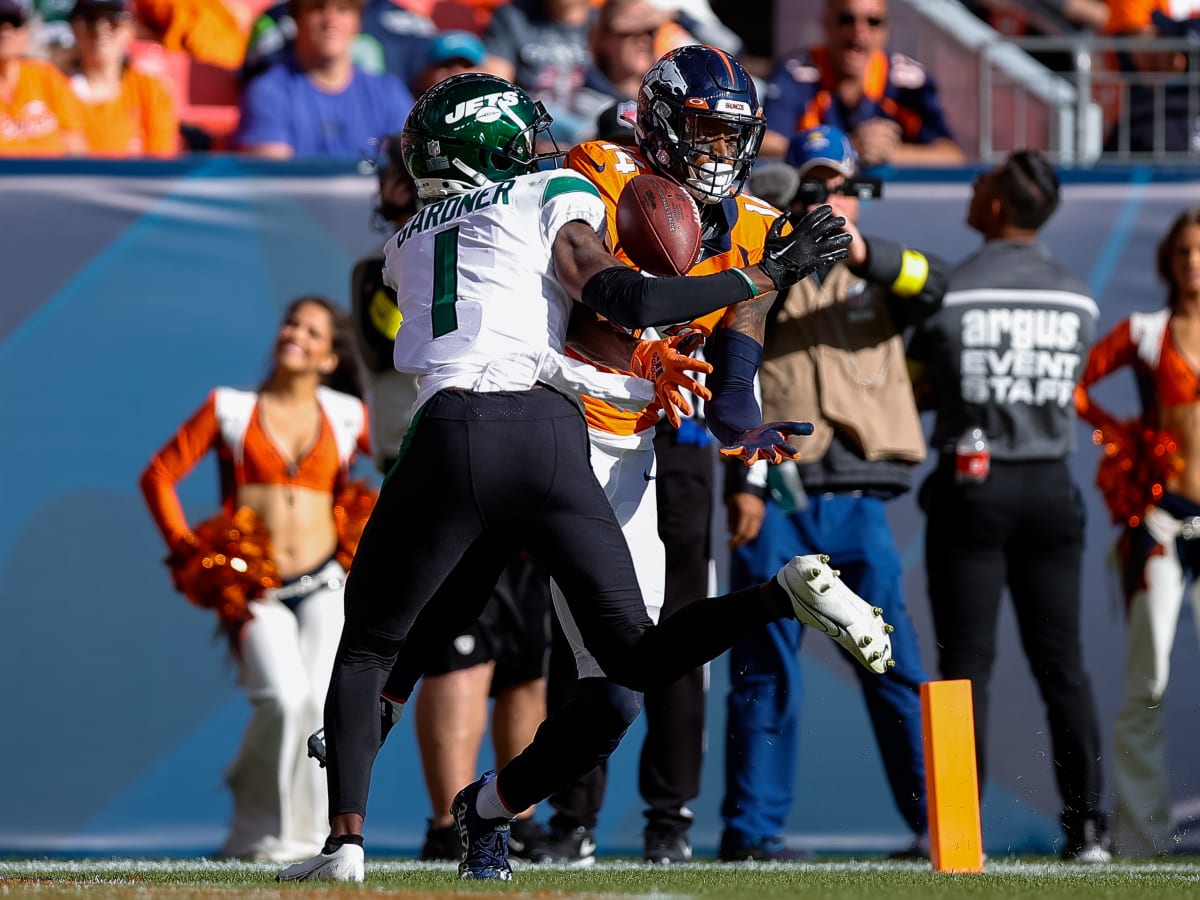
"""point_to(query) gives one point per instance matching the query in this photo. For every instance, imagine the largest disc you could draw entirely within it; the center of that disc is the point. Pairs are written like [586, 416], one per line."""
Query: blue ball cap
[822, 146]
[456, 45]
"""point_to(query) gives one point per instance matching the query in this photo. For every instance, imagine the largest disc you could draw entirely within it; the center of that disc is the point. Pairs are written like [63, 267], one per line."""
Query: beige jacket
[833, 357]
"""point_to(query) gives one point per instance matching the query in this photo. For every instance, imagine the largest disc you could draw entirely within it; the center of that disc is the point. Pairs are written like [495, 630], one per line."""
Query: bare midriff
[300, 520]
[1183, 423]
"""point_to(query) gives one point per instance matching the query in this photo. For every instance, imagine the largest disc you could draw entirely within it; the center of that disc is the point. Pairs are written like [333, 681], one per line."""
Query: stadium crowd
[313, 78]
[328, 78]
[304, 79]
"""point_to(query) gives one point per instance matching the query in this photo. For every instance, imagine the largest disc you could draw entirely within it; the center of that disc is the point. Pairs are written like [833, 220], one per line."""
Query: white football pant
[281, 805]
[1143, 824]
[626, 469]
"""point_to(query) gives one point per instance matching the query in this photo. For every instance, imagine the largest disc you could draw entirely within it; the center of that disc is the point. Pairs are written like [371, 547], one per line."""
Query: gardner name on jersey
[474, 283]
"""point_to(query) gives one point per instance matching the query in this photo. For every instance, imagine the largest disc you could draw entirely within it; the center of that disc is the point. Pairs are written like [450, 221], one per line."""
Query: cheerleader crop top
[229, 421]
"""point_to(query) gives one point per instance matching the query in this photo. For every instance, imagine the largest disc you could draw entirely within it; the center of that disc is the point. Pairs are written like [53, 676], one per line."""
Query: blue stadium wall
[128, 291]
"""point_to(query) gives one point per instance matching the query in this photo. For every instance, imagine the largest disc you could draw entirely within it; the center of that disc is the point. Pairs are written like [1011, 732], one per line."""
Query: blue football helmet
[688, 97]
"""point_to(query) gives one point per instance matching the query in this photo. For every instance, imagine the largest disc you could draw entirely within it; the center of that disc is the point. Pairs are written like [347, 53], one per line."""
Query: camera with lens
[811, 191]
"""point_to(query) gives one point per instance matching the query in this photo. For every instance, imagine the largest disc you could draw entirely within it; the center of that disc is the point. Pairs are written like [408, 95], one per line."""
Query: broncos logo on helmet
[699, 121]
[471, 130]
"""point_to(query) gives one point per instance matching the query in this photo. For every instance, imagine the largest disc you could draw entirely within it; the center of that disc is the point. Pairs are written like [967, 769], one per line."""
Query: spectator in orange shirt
[126, 112]
[209, 31]
[39, 116]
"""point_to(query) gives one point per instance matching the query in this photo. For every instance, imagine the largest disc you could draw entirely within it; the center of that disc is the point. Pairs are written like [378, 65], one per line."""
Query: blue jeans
[766, 686]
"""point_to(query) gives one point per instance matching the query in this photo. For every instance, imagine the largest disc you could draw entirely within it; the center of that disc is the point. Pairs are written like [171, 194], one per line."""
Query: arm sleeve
[915, 282]
[170, 464]
[635, 301]
[1114, 351]
[734, 407]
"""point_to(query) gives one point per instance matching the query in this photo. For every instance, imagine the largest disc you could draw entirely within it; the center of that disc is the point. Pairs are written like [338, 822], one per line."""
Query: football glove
[816, 240]
[767, 441]
[663, 363]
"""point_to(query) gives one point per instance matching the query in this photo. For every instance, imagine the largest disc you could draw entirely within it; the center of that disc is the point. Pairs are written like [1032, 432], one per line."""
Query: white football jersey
[481, 307]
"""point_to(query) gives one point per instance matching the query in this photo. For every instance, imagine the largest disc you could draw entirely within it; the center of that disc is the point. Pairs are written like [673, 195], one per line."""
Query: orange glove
[768, 441]
[666, 363]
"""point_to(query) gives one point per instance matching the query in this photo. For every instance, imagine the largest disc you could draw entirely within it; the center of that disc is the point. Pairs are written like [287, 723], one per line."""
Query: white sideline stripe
[42, 867]
[1018, 295]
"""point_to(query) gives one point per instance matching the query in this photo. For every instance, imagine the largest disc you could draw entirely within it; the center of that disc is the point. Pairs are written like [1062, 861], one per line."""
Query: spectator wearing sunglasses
[126, 111]
[887, 104]
[39, 115]
[833, 356]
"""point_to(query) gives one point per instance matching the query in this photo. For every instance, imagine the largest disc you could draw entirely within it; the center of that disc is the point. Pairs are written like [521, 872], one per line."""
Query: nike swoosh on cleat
[648, 477]
[830, 628]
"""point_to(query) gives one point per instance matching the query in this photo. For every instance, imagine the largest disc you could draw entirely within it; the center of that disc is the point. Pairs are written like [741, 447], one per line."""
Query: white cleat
[821, 600]
[345, 863]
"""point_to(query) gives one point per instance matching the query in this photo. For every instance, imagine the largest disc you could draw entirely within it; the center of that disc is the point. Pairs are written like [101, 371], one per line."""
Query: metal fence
[1116, 112]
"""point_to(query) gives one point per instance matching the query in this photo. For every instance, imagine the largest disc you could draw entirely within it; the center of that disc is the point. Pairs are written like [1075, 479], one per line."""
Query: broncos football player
[699, 123]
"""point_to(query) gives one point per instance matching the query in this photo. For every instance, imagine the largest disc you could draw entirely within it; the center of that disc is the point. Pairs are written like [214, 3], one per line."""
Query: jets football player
[497, 455]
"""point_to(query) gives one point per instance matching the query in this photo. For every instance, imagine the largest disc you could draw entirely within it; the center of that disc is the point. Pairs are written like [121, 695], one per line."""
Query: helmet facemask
[716, 153]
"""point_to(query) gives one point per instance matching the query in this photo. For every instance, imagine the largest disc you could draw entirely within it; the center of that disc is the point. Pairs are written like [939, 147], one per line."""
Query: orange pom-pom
[1138, 461]
[227, 564]
[351, 509]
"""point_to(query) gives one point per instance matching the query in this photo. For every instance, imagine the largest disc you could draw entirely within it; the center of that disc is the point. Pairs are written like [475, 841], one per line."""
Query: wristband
[749, 282]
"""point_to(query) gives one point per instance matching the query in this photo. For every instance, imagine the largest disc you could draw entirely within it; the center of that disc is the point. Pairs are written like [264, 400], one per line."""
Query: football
[658, 225]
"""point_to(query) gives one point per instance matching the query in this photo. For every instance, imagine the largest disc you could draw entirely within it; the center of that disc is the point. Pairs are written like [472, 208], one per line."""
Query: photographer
[833, 356]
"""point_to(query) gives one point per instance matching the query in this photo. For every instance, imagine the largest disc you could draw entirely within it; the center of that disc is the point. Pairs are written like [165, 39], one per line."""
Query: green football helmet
[471, 130]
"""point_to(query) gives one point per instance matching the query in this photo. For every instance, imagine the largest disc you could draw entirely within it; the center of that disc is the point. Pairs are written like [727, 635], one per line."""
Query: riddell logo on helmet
[487, 108]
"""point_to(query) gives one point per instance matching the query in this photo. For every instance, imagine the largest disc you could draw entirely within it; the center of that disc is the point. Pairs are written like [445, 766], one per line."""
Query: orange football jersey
[610, 167]
[38, 110]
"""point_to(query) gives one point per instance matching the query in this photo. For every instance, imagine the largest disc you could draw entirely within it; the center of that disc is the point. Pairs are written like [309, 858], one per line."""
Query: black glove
[816, 240]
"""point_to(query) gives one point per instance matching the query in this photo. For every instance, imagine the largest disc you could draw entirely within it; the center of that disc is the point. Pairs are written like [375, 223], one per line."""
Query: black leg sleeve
[352, 724]
[572, 741]
[579, 802]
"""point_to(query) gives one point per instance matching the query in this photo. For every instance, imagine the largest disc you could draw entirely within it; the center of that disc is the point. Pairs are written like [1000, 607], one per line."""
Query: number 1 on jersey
[445, 281]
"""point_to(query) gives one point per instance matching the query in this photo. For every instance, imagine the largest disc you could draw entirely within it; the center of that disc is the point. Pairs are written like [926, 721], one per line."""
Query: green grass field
[840, 879]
